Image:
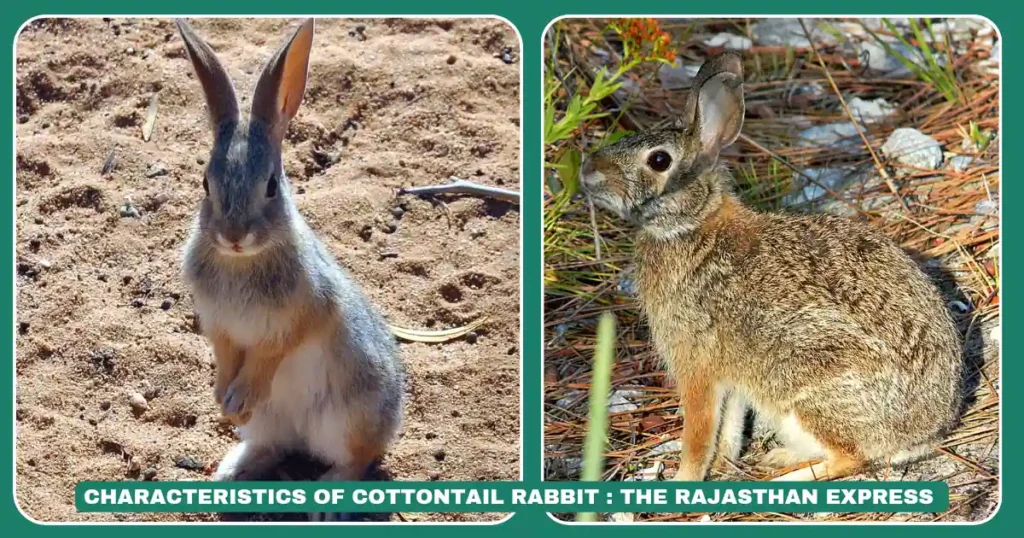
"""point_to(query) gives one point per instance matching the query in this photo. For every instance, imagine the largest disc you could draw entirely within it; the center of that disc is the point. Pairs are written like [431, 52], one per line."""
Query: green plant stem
[600, 384]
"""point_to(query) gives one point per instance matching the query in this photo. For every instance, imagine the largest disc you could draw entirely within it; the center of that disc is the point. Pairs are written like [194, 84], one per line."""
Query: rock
[836, 179]
[167, 304]
[842, 134]
[728, 41]
[451, 59]
[870, 111]
[986, 207]
[570, 399]
[507, 56]
[617, 403]
[397, 212]
[160, 199]
[959, 163]
[677, 75]
[627, 286]
[156, 169]
[138, 403]
[668, 447]
[129, 210]
[149, 474]
[880, 60]
[471, 337]
[189, 463]
[789, 33]
[911, 147]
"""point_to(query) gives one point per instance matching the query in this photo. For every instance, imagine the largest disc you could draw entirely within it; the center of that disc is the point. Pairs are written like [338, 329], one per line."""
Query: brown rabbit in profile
[820, 324]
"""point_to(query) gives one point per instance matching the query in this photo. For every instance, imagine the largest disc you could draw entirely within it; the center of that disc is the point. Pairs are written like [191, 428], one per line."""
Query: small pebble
[23, 118]
[440, 455]
[456, 413]
[390, 228]
[167, 304]
[451, 59]
[188, 462]
[471, 337]
[397, 212]
[434, 476]
[200, 160]
[160, 199]
[137, 303]
[157, 169]
[151, 393]
[133, 468]
[130, 50]
[149, 474]
[506, 56]
[138, 403]
[430, 435]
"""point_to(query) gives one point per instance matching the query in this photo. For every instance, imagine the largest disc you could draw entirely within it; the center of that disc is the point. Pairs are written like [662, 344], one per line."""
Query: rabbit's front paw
[239, 401]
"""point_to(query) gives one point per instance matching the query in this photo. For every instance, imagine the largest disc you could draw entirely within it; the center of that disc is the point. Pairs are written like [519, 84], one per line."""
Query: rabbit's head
[247, 204]
[651, 176]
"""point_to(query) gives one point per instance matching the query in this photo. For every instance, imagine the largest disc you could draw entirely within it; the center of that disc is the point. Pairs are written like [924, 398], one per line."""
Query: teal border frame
[531, 18]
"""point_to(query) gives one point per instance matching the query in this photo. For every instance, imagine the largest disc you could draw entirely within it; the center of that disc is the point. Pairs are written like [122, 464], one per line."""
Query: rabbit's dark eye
[272, 186]
[206, 186]
[659, 161]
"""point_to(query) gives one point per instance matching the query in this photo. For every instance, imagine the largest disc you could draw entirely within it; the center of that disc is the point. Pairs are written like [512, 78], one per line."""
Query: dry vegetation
[947, 217]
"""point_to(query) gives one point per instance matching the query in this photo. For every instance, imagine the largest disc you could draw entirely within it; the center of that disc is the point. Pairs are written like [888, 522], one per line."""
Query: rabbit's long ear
[220, 93]
[715, 106]
[280, 88]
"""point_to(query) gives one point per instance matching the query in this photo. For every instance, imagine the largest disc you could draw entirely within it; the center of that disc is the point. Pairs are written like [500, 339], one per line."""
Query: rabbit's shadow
[302, 467]
[973, 343]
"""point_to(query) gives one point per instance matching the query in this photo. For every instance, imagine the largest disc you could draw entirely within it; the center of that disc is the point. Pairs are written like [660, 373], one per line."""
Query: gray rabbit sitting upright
[819, 323]
[304, 360]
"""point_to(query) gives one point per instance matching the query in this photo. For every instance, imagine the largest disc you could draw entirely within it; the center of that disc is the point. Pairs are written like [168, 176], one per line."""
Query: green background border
[530, 17]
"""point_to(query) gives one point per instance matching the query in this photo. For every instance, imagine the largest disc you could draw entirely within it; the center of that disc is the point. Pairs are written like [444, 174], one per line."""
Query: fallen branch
[461, 186]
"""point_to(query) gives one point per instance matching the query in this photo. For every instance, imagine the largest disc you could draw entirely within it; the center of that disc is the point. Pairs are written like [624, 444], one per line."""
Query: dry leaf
[436, 337]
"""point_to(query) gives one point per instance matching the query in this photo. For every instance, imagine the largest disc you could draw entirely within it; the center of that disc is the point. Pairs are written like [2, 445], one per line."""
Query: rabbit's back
[808, 310]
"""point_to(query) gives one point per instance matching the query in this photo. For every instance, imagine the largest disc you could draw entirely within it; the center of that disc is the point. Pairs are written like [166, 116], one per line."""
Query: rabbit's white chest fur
[246, 326]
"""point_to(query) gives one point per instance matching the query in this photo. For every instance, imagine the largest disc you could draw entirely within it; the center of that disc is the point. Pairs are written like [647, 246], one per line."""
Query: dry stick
[461, 186]
[842, 101]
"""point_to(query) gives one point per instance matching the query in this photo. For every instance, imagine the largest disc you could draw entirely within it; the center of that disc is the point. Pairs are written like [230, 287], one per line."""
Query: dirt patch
[101, 309]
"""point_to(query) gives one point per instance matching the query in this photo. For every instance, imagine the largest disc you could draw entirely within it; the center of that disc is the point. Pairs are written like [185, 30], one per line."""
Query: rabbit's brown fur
[819, 323]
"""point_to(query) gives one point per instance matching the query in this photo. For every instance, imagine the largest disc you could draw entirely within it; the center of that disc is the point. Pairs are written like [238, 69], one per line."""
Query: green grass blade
[600, 384]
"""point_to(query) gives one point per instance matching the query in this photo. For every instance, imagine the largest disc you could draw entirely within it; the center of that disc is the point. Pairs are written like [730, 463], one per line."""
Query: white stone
[729, 41]
[871, 111]
[911, 147]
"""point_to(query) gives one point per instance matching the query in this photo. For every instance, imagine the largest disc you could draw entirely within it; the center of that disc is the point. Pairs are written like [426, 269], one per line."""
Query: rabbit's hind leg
[834, 466]
[732, 427]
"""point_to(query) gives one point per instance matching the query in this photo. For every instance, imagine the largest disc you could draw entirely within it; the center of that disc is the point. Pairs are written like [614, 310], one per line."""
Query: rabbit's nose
[233, 235]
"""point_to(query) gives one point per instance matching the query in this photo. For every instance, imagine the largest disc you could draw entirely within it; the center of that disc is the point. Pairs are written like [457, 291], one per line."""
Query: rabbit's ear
[220, 93]
[716, 103]
[280, 88]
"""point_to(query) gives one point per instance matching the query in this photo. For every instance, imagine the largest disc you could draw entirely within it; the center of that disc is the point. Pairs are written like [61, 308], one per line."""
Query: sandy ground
[103, 314]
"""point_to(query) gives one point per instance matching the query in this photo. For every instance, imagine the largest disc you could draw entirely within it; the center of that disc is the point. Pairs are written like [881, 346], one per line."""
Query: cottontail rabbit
[304, 361]
[820, 324]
